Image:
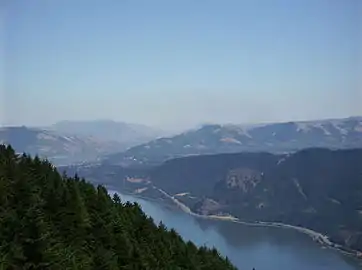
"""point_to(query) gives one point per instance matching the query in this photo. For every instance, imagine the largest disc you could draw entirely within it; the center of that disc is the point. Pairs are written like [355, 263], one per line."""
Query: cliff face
[201, 175]
[315, 188]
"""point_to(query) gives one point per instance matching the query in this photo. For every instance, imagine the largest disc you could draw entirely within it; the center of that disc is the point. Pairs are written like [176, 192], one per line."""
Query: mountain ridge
[59, 148]
[69, 142]
[109, 130]
[275, 138]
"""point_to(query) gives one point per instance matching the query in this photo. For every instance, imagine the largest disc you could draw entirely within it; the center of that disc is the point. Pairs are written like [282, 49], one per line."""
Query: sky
[179, 63]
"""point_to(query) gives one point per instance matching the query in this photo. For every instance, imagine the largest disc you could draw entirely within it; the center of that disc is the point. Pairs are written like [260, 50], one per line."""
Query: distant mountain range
[58, 148]
[107, 130]
[317, 188]
[70, 142]
[126, 144]
[275, 138]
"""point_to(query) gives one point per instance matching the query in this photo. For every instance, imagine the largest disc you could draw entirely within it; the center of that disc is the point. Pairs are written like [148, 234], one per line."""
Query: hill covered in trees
[319, 189]
[52, 221]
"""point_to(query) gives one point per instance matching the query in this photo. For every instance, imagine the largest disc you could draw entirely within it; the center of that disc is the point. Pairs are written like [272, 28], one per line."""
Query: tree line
[49, 220]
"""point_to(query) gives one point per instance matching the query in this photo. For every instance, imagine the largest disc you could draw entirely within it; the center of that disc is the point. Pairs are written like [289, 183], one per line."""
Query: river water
[263, 248]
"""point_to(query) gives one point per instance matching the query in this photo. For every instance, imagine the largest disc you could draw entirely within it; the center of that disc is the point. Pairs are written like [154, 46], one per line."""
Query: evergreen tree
[52, 221]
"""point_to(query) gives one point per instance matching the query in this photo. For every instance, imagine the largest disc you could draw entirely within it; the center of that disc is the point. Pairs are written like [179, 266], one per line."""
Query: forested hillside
[315, 188]
[50, 221]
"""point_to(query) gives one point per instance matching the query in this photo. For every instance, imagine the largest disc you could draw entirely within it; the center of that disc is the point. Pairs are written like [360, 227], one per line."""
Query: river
[263, 248]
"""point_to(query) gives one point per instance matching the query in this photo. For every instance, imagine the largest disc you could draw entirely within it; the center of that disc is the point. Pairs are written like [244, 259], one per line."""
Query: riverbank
[316, 236]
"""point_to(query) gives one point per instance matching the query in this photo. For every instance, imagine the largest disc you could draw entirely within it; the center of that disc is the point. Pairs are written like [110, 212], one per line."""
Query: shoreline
[316, 236]
[320, 238]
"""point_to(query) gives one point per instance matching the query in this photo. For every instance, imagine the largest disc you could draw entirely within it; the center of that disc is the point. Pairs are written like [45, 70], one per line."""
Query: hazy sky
[177, 63]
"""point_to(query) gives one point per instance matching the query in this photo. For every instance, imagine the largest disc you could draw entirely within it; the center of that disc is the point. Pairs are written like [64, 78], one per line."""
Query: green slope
[49, 221]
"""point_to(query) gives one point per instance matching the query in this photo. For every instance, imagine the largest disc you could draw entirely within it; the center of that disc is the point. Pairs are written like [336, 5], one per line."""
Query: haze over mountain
[275, 138]
[70, 142]
[175, 65]
[57, 147]
[107, 130]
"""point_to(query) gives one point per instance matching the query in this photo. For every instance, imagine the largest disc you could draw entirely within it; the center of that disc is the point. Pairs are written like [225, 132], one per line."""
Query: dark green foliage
[49, 221]
[317, 188]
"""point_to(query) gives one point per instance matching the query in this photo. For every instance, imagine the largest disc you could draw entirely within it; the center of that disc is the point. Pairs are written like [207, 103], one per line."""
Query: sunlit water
[247, 247]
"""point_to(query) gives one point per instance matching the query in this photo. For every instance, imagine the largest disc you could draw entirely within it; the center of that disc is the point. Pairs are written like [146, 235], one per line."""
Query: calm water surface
[247, 247]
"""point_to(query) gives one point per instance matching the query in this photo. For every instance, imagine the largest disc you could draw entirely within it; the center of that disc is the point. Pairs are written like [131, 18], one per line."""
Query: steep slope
[316, 188]
[54, 222]
[59, 148]
[274, 138]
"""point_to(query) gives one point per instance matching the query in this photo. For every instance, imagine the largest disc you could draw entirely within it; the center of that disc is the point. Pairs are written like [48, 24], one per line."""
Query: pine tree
[52, 221]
